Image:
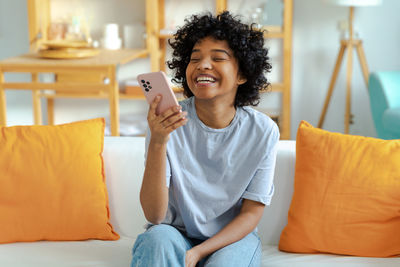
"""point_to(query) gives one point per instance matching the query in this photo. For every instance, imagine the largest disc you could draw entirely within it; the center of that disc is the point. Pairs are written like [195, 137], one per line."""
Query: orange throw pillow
[52, 183]
[346, 195]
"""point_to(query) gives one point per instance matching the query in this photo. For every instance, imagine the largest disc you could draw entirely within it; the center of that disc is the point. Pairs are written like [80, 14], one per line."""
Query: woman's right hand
[163, 124]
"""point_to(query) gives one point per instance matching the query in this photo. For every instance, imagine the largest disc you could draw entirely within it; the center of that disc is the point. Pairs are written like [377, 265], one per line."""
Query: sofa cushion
[89, 253]
[273, 257]
[346, 195]
[52, 183]
[96, 253]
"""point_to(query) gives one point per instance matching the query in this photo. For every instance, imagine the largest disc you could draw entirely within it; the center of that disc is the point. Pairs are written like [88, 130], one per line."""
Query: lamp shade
[355, 2]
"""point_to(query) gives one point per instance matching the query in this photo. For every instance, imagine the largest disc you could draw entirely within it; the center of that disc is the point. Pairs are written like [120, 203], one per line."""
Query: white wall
[315, 47]
[14, 41]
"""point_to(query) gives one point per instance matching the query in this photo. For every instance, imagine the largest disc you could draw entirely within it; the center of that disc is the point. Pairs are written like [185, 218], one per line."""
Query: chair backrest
[384, 92]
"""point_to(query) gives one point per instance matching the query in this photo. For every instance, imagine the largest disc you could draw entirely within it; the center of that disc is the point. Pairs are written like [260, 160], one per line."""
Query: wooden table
[77, 78]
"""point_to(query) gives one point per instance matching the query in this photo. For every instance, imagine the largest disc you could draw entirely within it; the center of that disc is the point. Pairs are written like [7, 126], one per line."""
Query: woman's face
[213, 70]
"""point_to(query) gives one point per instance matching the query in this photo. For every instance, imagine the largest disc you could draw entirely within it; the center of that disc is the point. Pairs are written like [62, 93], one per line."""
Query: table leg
[37, 107]
[114, 103]
[3, 118]
[50, 111]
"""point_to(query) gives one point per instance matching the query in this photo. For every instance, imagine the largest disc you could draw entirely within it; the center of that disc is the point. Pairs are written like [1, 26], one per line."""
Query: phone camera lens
[146, 89]
[143, 81]
[145, 85]
[148, 82]
[149, 87]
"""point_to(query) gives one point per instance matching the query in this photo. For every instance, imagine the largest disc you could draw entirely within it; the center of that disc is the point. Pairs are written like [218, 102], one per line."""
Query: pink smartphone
[156, 83]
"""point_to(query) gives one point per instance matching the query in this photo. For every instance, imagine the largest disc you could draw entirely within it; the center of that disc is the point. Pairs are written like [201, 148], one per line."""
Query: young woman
[210, 161]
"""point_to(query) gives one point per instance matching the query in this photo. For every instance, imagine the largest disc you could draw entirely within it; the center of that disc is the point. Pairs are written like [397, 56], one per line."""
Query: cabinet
[157, 48]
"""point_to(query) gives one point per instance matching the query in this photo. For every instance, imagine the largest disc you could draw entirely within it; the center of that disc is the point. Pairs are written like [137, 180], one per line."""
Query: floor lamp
[348, 44]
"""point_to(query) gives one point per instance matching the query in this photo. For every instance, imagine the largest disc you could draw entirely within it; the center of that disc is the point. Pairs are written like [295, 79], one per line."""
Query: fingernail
[157, 97]
[177, 108]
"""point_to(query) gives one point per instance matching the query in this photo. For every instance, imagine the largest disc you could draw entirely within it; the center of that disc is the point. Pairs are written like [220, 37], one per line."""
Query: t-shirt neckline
[207, 128]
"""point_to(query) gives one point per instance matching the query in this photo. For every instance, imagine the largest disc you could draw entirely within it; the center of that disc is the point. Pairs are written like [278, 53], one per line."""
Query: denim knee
[160, 245]
[245, 252]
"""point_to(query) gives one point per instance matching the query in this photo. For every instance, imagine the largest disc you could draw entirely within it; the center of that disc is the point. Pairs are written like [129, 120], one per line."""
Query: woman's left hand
[192, 257]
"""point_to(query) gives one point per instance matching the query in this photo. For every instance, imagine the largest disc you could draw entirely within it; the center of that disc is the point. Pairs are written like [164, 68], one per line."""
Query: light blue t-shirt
[210, 171]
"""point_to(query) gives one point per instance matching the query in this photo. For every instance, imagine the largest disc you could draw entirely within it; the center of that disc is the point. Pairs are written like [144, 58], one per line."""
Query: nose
[204, 63]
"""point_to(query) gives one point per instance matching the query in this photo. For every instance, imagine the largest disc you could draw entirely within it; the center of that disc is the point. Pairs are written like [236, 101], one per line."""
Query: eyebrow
[213, 50]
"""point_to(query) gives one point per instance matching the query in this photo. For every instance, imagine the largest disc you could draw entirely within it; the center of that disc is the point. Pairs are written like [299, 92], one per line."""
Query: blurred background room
[304, 37]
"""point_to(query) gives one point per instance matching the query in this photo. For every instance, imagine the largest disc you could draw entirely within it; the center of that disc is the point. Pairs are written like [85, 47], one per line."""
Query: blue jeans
[164, 246]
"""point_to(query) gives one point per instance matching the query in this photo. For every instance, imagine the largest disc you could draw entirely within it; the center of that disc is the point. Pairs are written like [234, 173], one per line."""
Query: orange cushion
[346, 195]
[52, 183]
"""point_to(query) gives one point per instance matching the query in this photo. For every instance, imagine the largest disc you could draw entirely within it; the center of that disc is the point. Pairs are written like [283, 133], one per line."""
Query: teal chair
[384, 92]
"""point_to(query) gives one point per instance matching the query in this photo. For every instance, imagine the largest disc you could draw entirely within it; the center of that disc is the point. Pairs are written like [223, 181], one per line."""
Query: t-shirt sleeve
[261, 186]
[167, 164]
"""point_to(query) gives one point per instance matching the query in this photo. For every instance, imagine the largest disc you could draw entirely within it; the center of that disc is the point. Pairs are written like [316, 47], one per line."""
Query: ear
[241, 79]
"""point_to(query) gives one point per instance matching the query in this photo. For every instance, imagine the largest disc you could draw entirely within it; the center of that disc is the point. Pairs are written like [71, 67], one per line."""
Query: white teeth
[205, 79]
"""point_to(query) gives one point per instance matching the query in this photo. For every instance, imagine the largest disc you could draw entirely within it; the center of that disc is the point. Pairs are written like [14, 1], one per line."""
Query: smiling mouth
[205, 80]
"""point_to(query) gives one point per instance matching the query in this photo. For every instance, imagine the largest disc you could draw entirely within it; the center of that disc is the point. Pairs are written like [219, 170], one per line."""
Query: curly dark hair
[246, 42]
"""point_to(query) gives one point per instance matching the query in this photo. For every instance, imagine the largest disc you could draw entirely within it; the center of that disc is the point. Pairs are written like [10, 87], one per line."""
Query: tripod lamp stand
[348, 44]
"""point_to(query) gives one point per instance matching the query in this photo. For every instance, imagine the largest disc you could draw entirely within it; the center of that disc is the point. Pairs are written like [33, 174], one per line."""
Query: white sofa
[124, 163]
